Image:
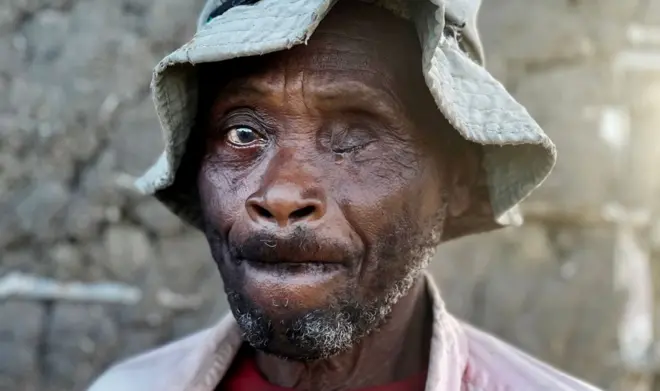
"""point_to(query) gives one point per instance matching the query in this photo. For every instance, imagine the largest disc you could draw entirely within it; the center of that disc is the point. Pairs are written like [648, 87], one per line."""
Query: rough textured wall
[573, 286]
[77, 123]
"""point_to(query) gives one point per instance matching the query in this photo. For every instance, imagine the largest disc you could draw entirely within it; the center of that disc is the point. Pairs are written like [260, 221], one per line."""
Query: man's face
[322, 182]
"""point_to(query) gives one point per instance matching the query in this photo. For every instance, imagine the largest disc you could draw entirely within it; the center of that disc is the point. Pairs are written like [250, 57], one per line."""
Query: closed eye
[349, 149]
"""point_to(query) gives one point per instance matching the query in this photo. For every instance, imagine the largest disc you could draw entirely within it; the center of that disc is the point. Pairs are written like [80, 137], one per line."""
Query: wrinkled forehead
[355, 43]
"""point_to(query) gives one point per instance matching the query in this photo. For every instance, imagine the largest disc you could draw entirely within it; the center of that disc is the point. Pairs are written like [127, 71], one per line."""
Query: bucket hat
[517, 155]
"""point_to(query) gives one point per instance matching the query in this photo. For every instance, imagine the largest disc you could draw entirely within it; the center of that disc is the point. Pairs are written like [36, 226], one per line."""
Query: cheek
[222, 195]
[431, 192]
[387, 190]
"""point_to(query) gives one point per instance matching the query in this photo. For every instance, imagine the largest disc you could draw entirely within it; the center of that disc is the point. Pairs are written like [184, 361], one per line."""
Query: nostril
[283, 209]
[302, 212]
[263, 212]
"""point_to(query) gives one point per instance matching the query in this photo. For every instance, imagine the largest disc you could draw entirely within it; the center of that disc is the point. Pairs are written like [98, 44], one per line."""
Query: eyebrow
[345, 95]
[333, 96]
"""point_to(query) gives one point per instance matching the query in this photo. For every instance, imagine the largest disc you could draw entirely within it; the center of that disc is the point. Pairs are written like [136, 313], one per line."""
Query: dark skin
[326, 175]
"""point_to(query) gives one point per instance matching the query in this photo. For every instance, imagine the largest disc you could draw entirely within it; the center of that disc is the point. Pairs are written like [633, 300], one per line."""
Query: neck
[396, 351]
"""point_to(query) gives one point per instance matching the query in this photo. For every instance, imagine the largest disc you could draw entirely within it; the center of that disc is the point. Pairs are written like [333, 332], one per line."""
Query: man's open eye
[242, 136]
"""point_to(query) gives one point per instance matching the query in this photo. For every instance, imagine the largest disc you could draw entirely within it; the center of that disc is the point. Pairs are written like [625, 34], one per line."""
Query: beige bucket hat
[518, 156]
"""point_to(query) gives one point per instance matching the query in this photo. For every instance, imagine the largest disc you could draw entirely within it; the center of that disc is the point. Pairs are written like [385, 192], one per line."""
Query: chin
[329, 318]
[299, 332]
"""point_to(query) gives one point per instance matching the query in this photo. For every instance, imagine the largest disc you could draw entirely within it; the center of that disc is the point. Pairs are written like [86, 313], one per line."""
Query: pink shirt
[462, 358]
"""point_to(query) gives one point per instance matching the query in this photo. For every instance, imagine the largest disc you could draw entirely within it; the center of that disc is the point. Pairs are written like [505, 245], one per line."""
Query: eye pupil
[242, 136]
[245, 135]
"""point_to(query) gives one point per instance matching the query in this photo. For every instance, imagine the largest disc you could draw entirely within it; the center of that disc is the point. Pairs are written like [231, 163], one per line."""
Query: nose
[285, 205]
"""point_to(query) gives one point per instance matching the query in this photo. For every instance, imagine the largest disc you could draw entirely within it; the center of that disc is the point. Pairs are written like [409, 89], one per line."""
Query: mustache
[298, 246]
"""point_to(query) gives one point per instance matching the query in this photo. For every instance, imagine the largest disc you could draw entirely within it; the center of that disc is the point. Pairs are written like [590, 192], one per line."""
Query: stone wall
[573, 286]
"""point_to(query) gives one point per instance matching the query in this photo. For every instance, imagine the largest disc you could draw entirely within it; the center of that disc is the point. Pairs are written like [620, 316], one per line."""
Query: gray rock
[21, 327]
[19, 368]
[137, 140]
[10, 231]
[80, 340]
[37, 213]
[67, 261]
[517, 285]
[12, 53]
[148, 313]
[23, 260]
[537, 42]
[157, 218]
[136, 341]
[557, 99]
[84, 218]
[185, 263]
[8, 18]
[651, 13]
[98, 181]
[47, 33]
[168, 34]
[21, 321]
[128, 252]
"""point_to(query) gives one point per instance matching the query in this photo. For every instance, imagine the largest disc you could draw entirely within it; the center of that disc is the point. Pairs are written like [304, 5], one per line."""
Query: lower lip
[286, 286]
[304, 273]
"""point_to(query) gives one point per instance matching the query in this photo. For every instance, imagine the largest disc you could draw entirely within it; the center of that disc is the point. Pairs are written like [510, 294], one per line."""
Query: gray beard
[320, 333]
[323, 333]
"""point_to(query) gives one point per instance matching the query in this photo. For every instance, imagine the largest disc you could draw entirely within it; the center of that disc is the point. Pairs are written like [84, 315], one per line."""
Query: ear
[469, 210]
[463, 175]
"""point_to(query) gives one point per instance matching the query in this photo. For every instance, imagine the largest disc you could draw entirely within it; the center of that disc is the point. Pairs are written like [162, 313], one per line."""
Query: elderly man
[326, 153]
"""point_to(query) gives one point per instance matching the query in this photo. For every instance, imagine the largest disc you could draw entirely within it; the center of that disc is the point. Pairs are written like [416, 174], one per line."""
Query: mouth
[285, 267]
[287, 286]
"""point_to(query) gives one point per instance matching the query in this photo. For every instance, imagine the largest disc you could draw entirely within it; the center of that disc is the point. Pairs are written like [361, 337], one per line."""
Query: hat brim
[518, 156]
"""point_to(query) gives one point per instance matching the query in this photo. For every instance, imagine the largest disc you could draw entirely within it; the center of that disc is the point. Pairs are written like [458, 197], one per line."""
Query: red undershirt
[245, 376]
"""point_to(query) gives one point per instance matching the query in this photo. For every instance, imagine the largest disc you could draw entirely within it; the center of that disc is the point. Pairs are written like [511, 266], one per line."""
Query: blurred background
[91, 273]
